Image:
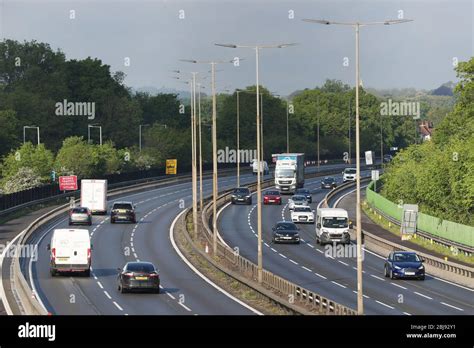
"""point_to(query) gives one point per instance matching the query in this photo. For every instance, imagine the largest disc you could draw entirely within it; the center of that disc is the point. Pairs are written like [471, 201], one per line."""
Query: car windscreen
[286, 226]
[350, 171]
[140, 267]
[300, 209]
[284, 173]
[298, 198]
[272, 193]
[303, 192]
[406, 258]
[79, 211]
[242, 191]
[122, 206]
[328, 180]
[335, 222]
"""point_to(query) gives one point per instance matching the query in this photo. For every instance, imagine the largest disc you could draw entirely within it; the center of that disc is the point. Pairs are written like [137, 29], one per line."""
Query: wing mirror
[48, 247]
[273, 228]
[119, 269]
[318, 225]
[92, 247]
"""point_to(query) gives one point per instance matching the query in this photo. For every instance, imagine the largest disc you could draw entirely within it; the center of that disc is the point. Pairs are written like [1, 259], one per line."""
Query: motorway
[183, 293]
[309, 265]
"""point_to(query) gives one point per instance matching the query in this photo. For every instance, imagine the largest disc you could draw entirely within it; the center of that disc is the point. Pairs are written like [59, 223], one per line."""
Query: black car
[328, 183]
[123, 211]
[387, 158]
[241, 195]
[306, 193]
[138, 276]
[404, 264]
[285, 232]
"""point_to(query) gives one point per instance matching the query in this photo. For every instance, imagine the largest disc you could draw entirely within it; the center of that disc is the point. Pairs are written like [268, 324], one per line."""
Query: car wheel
[112, 221]
[386, 272]
[422, 277]
[157, 290]
[53, 272]
[122, 289]
[70, 223]
[87, 273]
[90, 223]
[391, 275]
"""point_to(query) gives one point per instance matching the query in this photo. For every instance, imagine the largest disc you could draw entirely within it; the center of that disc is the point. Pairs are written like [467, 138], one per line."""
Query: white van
[332, 226]
[70, 251]
[263, 165]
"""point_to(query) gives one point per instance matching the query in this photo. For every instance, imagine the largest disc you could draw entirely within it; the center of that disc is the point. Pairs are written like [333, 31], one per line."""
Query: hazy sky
[151, 34]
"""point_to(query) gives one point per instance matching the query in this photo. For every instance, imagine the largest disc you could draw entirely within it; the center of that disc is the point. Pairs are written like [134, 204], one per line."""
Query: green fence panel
[445, 229]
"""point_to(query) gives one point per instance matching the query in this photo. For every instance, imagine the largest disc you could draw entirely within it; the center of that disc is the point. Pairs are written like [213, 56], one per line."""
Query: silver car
[80, 215]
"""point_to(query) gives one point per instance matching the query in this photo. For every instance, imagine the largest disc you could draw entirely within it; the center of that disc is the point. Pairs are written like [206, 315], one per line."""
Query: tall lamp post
[357, 26]
[140, 135]
[214, 145]
[31, 127]
[257, 48]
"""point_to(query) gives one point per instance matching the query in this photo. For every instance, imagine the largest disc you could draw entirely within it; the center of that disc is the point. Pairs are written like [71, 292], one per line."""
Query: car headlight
[234, 196]
[293, 186]
[325, 231]
[396, 267]
[421, 267]
[248, 196]
[278, 234]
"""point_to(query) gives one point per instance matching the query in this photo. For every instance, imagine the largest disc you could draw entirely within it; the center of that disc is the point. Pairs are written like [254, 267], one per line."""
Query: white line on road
[117, 305]
[447, 304]
[377, 277]
[342, 286]
[306, 268]
[422, 295]
[100, 285]
[107, 294]
[320, 275]
[398, 285]
[384, 304]
[293, 261]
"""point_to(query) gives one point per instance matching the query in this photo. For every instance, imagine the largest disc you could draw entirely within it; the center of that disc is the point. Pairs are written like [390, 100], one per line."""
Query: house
[426, 129]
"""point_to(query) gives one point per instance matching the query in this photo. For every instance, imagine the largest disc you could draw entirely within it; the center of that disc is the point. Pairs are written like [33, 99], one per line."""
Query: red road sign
[68, 183]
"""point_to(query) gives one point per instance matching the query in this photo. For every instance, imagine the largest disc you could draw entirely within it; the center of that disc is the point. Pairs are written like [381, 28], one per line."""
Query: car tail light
[88, 253]
[154, 275]
[128, 274]
[53, 251]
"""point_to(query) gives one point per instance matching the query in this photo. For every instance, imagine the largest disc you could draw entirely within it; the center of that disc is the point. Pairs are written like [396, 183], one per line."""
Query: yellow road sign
[171, 166]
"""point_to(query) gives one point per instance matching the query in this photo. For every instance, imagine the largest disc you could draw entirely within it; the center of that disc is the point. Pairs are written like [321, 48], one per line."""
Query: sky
[146, 39]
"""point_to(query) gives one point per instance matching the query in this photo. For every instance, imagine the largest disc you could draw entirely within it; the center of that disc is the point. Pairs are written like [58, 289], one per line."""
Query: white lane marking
[320, 251]
[100, 285]
[423, 295]
[306, 268]
[293, 261]
[320, 275]
[398, 285]
[190, 265]
[310, 245]
[377, 277]
[107, 294]
[447, 304]
[2, 290]
[282, 255]
[117, 305]
[384, 304]
[185, 307]
[345, 264]
[273, 249]
[355, 292]
[406, 313]
[174, 298]
[342, 286]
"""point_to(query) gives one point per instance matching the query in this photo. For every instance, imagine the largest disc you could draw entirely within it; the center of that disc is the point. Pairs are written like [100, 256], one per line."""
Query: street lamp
[200, 86]
[257, 48]
[89, 126]
[31, 127]
[356, 26]
[214, 144]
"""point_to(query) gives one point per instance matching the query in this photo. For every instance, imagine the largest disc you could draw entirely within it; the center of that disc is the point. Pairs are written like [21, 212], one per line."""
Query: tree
[8, 131]
[36, 157]
[24, 179]
[75, 157]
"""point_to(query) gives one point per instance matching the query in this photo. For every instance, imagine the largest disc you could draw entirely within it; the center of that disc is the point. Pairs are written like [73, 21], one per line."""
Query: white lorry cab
[70, 251]
[332, 226]
[263, 167]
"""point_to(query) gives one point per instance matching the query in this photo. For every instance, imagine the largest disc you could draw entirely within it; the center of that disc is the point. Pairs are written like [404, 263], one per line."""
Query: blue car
[404, 264]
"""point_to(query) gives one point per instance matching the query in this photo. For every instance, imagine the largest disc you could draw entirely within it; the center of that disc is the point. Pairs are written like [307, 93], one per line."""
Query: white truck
[332, 226]
[70, 251]
[263, 167]
[94, 195]
[289, 172]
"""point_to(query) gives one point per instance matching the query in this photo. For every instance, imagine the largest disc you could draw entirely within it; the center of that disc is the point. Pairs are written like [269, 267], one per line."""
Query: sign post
[171, 166]
[375, 177]
[409, 221]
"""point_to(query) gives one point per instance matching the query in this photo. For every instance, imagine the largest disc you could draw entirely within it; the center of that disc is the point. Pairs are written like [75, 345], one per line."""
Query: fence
[444, 229]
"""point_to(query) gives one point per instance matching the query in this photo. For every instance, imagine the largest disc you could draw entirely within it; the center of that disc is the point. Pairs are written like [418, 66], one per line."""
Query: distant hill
[445, 89]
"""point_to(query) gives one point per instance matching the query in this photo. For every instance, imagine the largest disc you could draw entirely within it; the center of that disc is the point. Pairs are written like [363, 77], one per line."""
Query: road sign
[409, 220]
[375, 175]
[369, 156]
[53, 176]
[394, 148]
[68, 183]
[171, 166]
